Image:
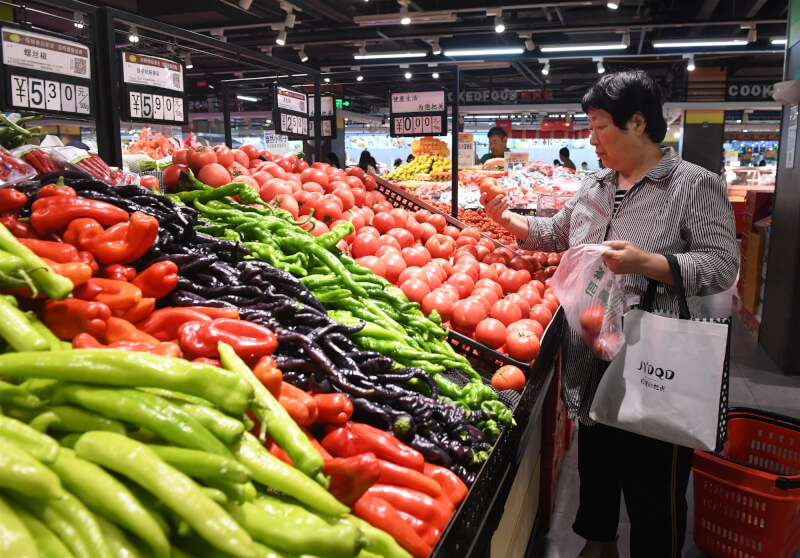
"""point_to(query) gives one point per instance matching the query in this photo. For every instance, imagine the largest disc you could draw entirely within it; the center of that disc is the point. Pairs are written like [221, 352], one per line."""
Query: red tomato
[250, 150]
[487, 272]
[411, 272]
[541, 314]
[436, 269]
[314, 175]
[359, 196]
[487, 242]
[375, 264]
[369, 183]
[462, 282]
[249, 180]
[415, 289]
[389, 242]
[414, 228]
[490, 284]
[451, 291]
[553, 258]
[240, 157]
[172, 174]
[485, 303]
[427, 231]
[370, 230]
[528, 325]
[444, 264]
[335, 185]
[344, 194]
[489, 295]
[299, 166]
[440, 301]
[433, 280]
[499, 268]
[438, 222]
[471, 232]
[149, 181]
[423, 215]
[451, 231]
[539, 286]
[524, 305]
[199, 157]
[530, 294]
[522, 345]
[491, 332]
[179, 157]
[328, 211]
[405, 238]
[224, 155]
[394, 266]
[383, 206]
[214, 175]
[525, 276]
[400, 217]
[416, 256]
[551, 305]
[506, 311]
[510, 280]
[440, 246]
[261, 177]
[315, 227]
[320, 165]
[465, 251]
[518, 262]
[356, 171]
[482, 251]
[469, 267]
[273, 187]
[313, 187]
[354, 181]
[364, 245]
[384, 222]
[467, 241]
[509, 377]
[592, 318]
[467, 314]
[605, 346]
[287, 203]
[237, 170]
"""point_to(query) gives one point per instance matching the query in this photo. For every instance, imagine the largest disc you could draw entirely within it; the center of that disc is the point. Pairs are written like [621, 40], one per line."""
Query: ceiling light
[327, 80]
[189, 64]
[245, 4]
[435, 75]
[600, 68]
[359, 78]
[408, 75]
[690, 66]
[281, 39]
[376, 55]
[302, 54]
[246, 98]
[779, 41]
[290, 19]
[546, 69]
[436, 48]
[689, 43]
[482, 51]
[78, 20]
[529, 44]
[134, 35]
[499, 26]
[613, 4]
[405, 19]
[583, 47]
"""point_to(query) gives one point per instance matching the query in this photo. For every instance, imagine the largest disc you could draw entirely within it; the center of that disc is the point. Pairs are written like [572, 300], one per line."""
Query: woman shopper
[366, 162]
[645, 204]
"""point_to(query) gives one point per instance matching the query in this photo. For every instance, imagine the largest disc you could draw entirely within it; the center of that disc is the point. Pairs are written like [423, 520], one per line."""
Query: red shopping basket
[747, 498]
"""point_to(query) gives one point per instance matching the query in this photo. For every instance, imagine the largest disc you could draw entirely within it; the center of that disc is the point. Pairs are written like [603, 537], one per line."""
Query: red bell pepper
[317, 446]
[56, 212]
[158, 280]
[215, 313]
[163, 324]
[60, 252]
[351, 477]
[118, 272]
[419, 526]
[77, 272]
[18, 229]
[381, 514]
[333, 408]
[51, 190]
[269, 375]
[403, 476]
[118, 295]
[72, 316]
[209, 361]
[88, 259]
[86, 341]
[81, 228]
[452, 487]
[122, 243]
[278, 452]
[247, 338]
[353, 438]
[137, 312]
[300, 405]
[435, 513]
[11, 199]
[122, 330]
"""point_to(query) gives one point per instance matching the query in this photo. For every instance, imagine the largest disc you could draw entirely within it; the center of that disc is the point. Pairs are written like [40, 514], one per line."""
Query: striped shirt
[619, 194]
[676, 208]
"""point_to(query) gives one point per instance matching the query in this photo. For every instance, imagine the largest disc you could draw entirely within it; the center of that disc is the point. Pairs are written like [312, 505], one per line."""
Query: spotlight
[600, 68]
[78, 20]
[359, 78]
[408, 75]
[281, 40]
[290, 19]
[189, 64]
[613, 4]
[436, 48]
[405, 19]
[245, 4]
[546, 68]
[326, 80]
[499, 26]
[529, 44]
[690, 66]
[435, 75]
[302, 54]
[134, 35]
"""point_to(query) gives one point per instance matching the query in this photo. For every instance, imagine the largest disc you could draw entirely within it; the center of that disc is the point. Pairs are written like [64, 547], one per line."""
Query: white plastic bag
[592, 298]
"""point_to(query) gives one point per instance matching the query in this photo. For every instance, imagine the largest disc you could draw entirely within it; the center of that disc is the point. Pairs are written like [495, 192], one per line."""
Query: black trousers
[651, 475]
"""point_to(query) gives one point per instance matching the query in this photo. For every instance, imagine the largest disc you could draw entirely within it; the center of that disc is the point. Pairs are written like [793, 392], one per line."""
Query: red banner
[505, 124]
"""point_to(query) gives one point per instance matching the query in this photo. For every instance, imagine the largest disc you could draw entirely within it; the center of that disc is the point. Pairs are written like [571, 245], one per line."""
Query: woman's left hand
[625, 257]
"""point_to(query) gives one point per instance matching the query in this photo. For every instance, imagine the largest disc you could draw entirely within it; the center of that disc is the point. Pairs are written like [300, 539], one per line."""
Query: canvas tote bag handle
[650, 294]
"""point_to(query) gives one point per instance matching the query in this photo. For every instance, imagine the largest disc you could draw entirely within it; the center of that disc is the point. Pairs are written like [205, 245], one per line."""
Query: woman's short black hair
[623, 94]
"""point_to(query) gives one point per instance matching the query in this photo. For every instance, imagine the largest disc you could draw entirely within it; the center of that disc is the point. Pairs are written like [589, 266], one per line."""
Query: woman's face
[614, 147]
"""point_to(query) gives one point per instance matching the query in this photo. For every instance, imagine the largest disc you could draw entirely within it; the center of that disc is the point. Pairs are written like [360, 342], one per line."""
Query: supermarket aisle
[755, 382]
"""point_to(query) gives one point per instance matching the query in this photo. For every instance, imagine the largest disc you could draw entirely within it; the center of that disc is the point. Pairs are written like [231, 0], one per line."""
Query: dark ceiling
[331, 32]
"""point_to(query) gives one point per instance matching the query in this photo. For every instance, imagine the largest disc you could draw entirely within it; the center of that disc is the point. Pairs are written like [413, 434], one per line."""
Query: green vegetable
[203, 465]
[53, 285]
[17, 330]
[19, 471]
[48, 544]
[15, 539]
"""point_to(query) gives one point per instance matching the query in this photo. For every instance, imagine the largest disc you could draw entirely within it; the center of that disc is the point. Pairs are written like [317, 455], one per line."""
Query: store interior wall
[703, 136]
[780, 323]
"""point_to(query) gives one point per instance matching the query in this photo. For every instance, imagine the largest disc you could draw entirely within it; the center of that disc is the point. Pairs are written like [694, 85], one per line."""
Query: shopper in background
[563, 155]
[366, 162]
[410, 158]
[333, 160]
[556, 163]
[647, 203]
[398, 162]
[497, 148]
[585, 166]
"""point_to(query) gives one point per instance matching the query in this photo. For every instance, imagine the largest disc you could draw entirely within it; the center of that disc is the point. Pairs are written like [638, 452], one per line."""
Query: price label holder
[290, 113]
[418, 113]
[152, 89]
[328, 116]
[466, 150]
[515, 158]
[46, 73]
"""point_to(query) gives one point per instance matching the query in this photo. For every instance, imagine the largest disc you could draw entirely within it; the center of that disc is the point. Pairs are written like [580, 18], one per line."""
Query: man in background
[497, 148]
[563, 154]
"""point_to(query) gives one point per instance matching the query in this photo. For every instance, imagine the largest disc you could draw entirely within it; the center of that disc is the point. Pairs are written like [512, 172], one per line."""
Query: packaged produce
[13, 169]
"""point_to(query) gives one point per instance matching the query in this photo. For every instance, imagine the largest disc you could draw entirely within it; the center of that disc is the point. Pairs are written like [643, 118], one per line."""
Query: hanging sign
[152, 89]
[418, 113]
[290, 112]
[466, 150]
[328, 116]
[46, 73]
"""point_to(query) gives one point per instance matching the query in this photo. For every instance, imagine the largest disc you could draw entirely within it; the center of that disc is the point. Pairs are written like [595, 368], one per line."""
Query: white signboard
[44, 53]
[293, 124]
[152, 71]
[326, 105]
[515, 158]
[155, 107]
[425, 101]
[291, 100]
[41, 94]
[417, 125]
[466, 150]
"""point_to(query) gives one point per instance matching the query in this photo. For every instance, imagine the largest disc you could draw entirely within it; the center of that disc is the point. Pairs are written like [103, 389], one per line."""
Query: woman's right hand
[497, 209]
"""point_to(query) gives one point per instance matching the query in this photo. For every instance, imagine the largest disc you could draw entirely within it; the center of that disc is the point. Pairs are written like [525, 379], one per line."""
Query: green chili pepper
[28, 439]
[234, 491]
[120, 545]
[337, 233]
[18, 396]
[47, 543]
[498, 411]
[108, 497]
[126, 368]
[177, 491]
[200, 464]
[270, 471]
[75, 419]
[307, 246]
[326, 297]
[15, 539]
[227, 429]
[379, 542]
[17, 330]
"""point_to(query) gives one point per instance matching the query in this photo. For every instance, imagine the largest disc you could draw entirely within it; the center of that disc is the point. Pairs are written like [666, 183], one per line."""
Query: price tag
[178, 102]
[158, 107]
[418, 113]
[68, 103]
[19, 91]
[169, 108]
[147, 105]
[466, 150]
[293, 124]
[135, 104]
[36, 93]
[82, 99]
[52, 94]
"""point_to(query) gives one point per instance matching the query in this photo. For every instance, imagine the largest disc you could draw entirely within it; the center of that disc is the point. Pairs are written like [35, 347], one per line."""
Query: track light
[613, 4]
[245, 4]
[405, 19]
[189, 64]
[436, 48]
[600, 68]
[281, 40]
[499, 26]
[529, 44]
[290, 19]
[78, 20]
[134, 35]
[435, 75]
[408, 75]
[546, 68]
[302, 54]
[359, 78]
[326, 80]
[690, 66]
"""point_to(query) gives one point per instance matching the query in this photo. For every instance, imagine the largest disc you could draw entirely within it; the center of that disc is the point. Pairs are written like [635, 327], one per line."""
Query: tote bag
[670, 381]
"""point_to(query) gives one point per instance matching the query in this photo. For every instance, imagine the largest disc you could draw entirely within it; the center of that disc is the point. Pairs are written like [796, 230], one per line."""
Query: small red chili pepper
[434, 513]
[452, 487]
[300, 405]
[279, 452]
[81, 228]
[392, 473]
[352, 476]
[119, 329]
[163, 324]
[56, 212]
[18, 229]
[317, 446]
[118, 272]
[86, 341]
[67, 318]
[121, 243]
[335, 408]
[158, 280]
[77, 272]
[60, 252]
[117, 295]
[11, 199]
[353, 438]
[246, 338]
[214, 312]
[269, 375]
[137, 312]
[384, 516]
[88, 259]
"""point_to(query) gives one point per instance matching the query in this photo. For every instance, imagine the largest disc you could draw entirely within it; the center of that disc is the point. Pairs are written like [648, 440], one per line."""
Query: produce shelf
[469, 533]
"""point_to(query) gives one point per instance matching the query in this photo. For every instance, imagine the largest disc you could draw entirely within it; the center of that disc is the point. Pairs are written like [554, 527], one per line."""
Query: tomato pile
[479, 220]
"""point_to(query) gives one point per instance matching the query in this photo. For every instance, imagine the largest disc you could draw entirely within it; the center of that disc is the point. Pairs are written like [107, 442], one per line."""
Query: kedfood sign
[503, 96]
[749, 91]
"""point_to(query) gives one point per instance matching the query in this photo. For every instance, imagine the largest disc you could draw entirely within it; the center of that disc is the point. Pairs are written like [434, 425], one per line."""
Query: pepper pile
[13, 133]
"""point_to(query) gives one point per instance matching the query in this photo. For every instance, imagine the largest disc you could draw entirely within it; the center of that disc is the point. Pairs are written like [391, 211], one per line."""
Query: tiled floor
[755, 382]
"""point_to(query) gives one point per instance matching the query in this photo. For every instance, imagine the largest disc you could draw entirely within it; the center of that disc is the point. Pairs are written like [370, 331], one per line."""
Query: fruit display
[424, 164]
